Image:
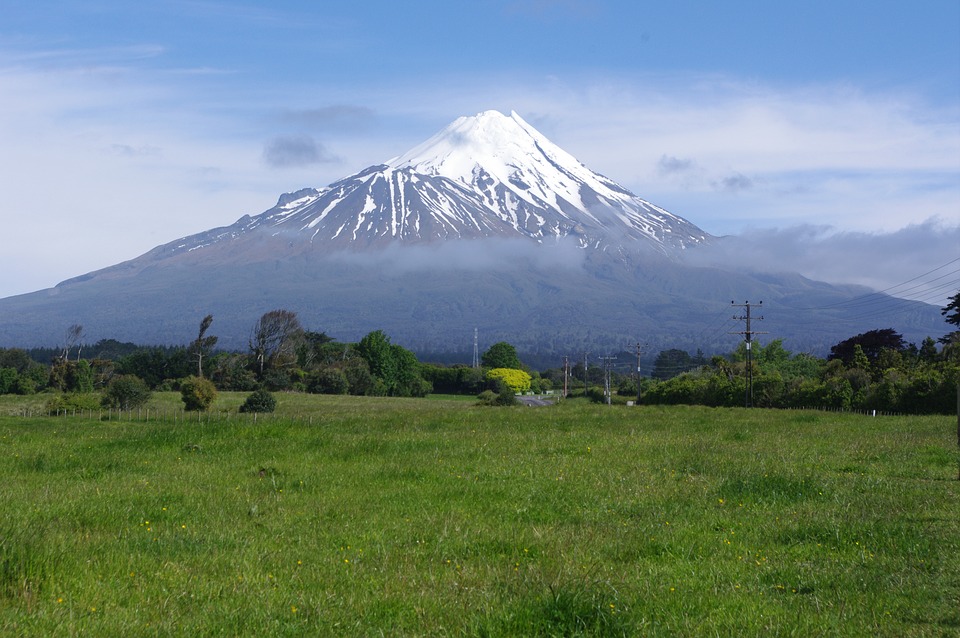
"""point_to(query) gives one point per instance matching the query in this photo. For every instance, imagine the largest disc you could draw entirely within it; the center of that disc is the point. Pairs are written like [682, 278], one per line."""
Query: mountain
[482, 177]
[487, 224]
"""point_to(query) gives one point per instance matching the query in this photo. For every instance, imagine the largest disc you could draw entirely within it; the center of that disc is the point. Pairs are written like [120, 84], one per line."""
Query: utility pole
[476, 349]
[639, 346]
[748, 335]
[566, 374]
[607, 368]
[585, 375]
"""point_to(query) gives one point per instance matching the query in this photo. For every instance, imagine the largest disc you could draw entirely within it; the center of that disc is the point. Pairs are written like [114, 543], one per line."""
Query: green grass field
[348, 516]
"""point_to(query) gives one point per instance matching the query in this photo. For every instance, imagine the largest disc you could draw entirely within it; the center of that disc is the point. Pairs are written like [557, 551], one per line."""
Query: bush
[502, 396]
[197, 393]
[518, 380]
[24, 385]
[8, 380]
[126, 392]
[487, 397]
[328, 381]
[277, 379]
[73, 401]
[260, 401]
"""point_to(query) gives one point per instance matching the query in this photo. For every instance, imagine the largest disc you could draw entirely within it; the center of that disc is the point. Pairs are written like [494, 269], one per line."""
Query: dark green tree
[8, 380]
[126, 392]
[872, 342]
[501, 355]
[259, 401]
[156, 364]
[377, 351]
[928, 351]
[396, 367]
[951, 311]
[230, 371]
[71, 376]
[328, 381]
[15, 358]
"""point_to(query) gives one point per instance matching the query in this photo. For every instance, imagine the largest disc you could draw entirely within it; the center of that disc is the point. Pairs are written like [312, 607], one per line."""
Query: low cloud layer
[920, 261]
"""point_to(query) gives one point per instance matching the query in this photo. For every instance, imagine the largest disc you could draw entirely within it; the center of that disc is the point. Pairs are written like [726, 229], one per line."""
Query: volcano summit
[486, 176]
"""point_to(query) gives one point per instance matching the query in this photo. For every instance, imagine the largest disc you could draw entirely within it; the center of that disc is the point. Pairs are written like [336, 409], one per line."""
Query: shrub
[503, 395]
[260, 401]
[277, 379]
[8, 380]
[125, 392]
[197, 393]
[518, 380]
[24, 385]
[328, 381]
[73, 401]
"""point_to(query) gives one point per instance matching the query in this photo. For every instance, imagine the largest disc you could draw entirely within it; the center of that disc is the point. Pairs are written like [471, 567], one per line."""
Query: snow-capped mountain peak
[507, 149]
[498, 143]
[489, 175]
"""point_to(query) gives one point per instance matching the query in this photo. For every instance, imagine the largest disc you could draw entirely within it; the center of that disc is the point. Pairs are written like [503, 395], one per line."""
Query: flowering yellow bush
[518, 380]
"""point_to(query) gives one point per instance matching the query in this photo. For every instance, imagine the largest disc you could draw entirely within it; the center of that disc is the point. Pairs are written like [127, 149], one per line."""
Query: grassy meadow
[343, 516]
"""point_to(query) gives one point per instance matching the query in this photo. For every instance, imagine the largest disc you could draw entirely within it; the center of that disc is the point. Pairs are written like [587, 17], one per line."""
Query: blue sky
[126, 125]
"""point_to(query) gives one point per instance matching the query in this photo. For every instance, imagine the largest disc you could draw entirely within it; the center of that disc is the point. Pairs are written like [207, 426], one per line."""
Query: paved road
[535, 401]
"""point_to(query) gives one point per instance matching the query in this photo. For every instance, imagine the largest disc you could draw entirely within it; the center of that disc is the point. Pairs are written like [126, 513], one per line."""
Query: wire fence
[146, 415]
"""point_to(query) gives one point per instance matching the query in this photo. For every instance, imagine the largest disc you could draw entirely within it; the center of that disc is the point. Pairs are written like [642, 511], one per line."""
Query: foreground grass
[348, 516]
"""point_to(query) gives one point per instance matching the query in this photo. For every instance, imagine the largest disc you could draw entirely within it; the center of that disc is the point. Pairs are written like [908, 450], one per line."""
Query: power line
[878, 295]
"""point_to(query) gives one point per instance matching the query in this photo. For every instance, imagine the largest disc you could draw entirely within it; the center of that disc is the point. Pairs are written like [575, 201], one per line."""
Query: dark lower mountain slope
[547, 300]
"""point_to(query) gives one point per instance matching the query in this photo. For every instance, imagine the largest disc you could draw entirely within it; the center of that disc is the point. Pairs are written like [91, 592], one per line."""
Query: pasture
[343, 516]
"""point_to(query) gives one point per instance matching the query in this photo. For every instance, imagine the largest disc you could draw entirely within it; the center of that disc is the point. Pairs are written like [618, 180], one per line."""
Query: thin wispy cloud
[127, 150]
[338, 117]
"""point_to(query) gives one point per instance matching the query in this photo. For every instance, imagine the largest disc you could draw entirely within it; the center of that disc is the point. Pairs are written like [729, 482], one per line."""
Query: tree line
[282, 356]
[875, 370]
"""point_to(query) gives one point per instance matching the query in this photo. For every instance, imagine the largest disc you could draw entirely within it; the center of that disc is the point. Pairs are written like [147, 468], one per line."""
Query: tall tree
[203, 344]
[274, 338]
[377, 351]
[952, 310]
[872, 342]
[501, 355]
[72, 337]
[395, 366]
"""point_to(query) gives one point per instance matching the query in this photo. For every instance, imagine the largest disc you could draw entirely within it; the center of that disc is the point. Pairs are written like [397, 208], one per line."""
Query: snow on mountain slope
[484, 176]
